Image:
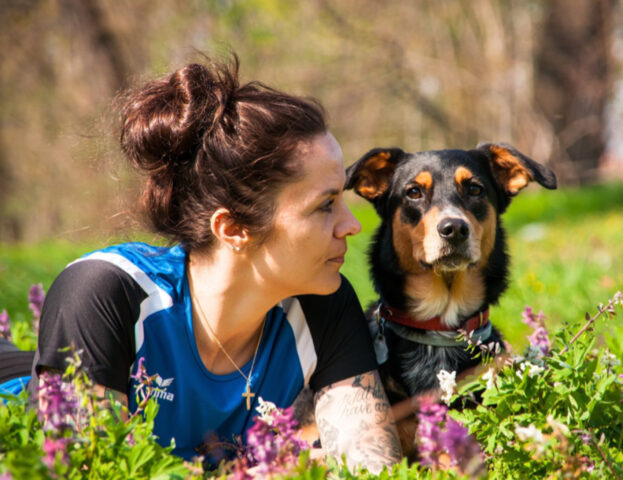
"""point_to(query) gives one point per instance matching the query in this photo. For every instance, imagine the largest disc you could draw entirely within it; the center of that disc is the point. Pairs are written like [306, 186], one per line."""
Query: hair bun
[165, 121]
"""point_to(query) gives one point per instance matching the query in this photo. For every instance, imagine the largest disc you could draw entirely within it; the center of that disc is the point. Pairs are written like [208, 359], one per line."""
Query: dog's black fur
[440, 249]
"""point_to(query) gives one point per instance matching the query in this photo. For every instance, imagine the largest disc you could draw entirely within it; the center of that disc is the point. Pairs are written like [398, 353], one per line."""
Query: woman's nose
[348, 224]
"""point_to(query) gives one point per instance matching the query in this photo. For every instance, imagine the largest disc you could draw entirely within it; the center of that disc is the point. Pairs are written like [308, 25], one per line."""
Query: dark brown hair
[206, 142]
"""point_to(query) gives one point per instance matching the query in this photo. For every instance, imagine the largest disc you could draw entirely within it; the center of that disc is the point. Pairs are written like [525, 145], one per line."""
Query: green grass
[566, 248]
[22, 265]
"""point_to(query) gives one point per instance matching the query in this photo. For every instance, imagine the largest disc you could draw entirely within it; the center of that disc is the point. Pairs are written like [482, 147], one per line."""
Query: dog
[438, 260]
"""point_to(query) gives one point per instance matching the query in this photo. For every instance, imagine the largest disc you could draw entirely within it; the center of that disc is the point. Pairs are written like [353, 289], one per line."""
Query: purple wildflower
[439, 434]
[273, 444]
[430, 417]
[36, 295]
[6, 476]
[5, 325]
[585, 437]
[589, 465]
[462, 448]
[58, 404]
[539, 340]
[52, 447]
[144, 383]
[141, 371]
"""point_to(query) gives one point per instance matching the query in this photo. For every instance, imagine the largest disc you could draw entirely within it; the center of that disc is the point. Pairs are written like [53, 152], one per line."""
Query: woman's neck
[229, 303]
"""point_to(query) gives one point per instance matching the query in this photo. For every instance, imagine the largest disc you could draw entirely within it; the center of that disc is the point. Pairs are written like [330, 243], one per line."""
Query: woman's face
[305, 248]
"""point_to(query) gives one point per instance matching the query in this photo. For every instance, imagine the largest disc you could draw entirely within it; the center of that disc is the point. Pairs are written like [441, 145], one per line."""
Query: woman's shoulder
[138, 252]
[96, 278]
[153, 268]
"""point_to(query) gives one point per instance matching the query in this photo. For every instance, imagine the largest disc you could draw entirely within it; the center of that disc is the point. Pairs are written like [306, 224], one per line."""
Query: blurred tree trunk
[573, 82]
[86, 19]
[9, 224]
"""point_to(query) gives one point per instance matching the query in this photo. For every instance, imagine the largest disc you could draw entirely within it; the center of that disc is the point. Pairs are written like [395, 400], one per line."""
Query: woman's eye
[327, 206]
[414, 193]
[474, 190]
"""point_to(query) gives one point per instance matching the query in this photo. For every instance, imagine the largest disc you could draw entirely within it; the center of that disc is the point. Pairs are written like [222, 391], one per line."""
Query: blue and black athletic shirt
[132, 300]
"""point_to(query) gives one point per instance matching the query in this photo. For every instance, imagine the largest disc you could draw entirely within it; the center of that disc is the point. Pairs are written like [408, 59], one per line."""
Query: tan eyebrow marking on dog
[425, 179]
[462, 174]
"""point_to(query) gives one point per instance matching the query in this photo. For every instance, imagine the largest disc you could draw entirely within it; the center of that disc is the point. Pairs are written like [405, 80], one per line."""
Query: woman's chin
[329, 285]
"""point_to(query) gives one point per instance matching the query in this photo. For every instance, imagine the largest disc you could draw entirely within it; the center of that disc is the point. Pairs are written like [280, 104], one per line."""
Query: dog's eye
[474, 189]
[414, 193]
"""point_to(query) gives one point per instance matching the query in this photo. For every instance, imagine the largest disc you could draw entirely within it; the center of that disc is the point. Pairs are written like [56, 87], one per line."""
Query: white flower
[610, 360]
[531, 368]
[266, 411]
[529, 433]
[447, 383]
[557, 426]
[490, 377]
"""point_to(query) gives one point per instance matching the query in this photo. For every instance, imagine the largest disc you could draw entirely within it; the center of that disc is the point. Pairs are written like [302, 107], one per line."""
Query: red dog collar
[398, 316]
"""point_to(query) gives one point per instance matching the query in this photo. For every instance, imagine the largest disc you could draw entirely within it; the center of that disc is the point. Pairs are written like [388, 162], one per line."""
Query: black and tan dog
[438, 259]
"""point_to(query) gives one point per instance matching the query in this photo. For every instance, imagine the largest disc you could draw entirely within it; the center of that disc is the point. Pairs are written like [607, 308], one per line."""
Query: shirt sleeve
[340, 334]
[92, 307]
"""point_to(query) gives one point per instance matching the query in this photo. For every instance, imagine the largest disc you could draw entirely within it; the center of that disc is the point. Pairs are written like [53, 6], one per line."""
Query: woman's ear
[227, 231]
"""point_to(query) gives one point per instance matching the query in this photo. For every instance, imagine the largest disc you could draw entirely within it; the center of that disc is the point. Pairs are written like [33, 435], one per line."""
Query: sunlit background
[544, 76]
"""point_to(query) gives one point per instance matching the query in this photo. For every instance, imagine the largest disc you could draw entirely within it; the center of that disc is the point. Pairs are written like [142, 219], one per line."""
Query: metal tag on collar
[380, 344]
[380, 348]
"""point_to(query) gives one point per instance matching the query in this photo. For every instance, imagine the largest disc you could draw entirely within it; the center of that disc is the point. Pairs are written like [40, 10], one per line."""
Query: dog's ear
[370, 176]
[513, 170]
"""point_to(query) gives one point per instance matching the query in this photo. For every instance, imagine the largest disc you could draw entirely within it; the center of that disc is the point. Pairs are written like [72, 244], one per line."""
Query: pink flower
[58, 404]
[5, 325]
[430, 418]
[460, 445]
[437, 434]
[144, 384]
[539, 340]
[53, 446]
[273, 443]
[36, 296]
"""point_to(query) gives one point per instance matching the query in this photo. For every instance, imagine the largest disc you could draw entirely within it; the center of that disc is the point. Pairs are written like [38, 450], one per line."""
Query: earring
[235, 248]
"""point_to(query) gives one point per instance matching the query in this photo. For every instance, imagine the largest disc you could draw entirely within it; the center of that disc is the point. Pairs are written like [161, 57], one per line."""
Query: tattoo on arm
[354, 418]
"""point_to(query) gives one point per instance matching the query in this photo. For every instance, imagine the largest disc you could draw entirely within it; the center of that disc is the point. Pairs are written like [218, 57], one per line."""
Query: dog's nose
[453, 230]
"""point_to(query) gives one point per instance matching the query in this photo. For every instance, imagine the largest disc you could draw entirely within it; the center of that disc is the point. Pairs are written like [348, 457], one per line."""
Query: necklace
[247, 394]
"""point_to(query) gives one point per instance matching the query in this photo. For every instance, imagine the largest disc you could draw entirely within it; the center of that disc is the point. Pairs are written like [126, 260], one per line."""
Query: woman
[247, 184]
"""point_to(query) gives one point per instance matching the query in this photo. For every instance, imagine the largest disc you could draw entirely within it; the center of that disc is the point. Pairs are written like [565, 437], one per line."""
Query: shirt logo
[160, 392]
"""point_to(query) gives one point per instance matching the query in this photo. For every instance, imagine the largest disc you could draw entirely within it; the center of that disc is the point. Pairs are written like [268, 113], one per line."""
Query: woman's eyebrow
[329, 192]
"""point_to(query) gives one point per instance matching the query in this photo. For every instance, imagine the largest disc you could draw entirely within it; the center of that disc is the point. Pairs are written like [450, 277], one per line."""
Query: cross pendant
[248, 394]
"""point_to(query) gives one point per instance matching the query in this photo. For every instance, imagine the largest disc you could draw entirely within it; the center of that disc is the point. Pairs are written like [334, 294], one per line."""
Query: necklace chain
[247, 394]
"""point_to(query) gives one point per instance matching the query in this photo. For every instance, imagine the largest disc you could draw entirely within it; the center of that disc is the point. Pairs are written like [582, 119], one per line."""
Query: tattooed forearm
[354, 418]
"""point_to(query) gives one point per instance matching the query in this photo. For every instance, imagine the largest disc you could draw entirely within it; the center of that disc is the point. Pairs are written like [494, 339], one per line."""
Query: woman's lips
[338, 259]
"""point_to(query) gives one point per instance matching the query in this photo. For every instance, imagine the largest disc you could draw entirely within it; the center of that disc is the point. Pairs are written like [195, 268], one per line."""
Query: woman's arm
[354, 418]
